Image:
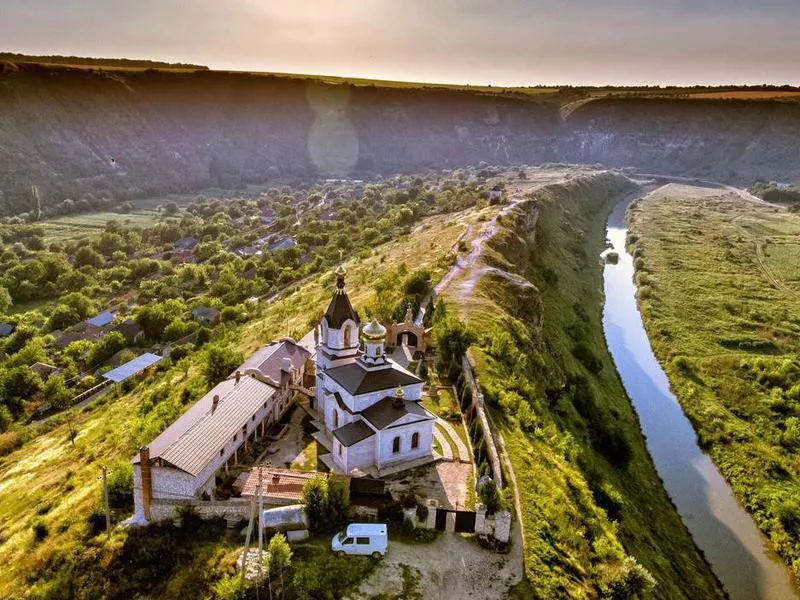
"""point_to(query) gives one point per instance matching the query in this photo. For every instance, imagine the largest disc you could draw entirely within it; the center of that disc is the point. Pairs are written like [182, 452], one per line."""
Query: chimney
[398, 401]
[147, 480]
[214, 403]
[238, 376]
[286, 364]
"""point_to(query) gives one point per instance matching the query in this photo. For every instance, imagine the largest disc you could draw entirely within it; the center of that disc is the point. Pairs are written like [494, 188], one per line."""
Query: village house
[182, 462]
[268, 216]
[6, 329]
[495, 194]
[180, 257]
[131, 331]
[44, 370]
[205, 315]
[99, 323]
[185, 244]
[278, 486]
[368, 405]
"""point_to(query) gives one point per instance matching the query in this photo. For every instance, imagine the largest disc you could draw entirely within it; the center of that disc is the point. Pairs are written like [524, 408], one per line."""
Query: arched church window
[415, 441]
[396, 445]
[347, 331]
[335, 418]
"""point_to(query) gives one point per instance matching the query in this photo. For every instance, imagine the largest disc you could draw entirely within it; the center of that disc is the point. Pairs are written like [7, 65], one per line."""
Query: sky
[481, 42]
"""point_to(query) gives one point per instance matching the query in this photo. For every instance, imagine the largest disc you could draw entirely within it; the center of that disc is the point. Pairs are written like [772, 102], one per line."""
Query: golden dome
[374, 331]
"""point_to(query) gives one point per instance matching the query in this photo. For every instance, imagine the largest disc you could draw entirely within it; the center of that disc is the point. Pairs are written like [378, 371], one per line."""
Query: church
[368, 404]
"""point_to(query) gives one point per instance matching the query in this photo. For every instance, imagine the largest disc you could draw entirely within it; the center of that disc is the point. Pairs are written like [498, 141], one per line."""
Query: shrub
[788, 514]
[583, 352]
[526, 417]
[490, 496]
[40, 530]
[315, 499]
[120, 486]
[422, 513]
[220, 362]
[631, 580]
[279, 555]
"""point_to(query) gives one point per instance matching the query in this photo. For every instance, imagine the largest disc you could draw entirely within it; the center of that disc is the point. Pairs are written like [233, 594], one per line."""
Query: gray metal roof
[101, 320]
[340, 310]
[384, 413]
[352, 433]
[197, 446]
[7, 329]
[268, 360]
[358, 380]
[132, 367]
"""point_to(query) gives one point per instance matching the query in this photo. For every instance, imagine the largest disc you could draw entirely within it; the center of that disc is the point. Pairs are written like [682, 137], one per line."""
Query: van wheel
[376, 555]
[340, 553]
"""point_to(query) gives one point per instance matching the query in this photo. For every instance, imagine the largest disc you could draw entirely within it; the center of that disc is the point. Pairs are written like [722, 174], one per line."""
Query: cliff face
[132, 134]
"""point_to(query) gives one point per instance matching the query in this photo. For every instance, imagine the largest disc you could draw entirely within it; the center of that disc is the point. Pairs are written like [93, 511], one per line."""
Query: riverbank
[729, 353]
[590, 494]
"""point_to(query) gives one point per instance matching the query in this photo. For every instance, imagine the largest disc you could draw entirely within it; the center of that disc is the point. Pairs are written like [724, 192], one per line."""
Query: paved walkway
[447, 449]
[462, 451]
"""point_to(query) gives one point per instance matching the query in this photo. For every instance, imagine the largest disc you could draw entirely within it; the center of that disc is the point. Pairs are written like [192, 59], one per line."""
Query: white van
[368, 539]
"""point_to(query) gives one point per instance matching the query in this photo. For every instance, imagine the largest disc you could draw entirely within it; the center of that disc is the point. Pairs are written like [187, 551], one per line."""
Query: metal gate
[465, 521]
[441, 518]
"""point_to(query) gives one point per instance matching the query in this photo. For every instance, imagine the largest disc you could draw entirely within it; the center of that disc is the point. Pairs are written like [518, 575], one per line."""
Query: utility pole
[260, 530]
[105, 500]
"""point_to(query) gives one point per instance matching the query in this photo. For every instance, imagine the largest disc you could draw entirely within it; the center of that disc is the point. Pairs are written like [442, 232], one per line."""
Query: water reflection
[721, 528]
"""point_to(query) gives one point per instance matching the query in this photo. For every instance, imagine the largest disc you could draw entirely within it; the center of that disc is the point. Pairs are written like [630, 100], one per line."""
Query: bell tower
[338, 339]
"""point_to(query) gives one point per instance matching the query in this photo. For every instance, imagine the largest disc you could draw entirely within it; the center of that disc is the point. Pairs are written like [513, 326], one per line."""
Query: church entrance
[407, 338]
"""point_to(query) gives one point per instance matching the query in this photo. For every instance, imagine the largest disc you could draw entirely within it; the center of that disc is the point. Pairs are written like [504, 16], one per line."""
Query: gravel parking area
[453, 566]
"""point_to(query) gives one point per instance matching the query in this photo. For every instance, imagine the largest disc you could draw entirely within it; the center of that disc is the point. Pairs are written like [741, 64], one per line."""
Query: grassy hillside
[731, 353]
[590, 494]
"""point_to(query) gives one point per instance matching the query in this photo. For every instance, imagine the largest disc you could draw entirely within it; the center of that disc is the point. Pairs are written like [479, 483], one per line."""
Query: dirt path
[451, 567]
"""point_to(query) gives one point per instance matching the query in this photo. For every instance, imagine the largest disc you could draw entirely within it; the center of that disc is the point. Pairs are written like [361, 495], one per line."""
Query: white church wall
[386, 441]
[360, 455]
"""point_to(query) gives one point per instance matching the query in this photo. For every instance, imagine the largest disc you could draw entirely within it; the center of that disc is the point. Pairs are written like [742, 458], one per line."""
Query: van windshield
[341, 536]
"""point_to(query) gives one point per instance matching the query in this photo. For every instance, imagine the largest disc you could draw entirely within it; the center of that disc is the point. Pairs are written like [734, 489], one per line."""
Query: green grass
[73, 226]
[589, 491]
[731, 353]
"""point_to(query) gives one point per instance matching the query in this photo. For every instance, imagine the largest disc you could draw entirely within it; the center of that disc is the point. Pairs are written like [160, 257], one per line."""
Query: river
[726, 534]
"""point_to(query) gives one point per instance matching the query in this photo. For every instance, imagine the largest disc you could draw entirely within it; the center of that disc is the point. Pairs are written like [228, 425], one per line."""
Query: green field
[731, 351]
[74, 226]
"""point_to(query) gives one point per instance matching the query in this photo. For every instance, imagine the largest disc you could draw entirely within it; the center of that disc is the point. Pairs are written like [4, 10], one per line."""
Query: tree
[418, 284]
[631, 580]
[453, 338]
[86, 255]
[5, 300]
[5, 418]
[490, 496]
[62, 317]
[315, 499]
[18, 384]
[36, 203]
[106, 347]
[338, 501]
[279, 555]
[59, 397]
[220, 362]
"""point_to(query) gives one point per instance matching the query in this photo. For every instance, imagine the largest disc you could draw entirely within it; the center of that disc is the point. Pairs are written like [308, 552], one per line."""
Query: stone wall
[483, 419]
[235, 509]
